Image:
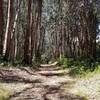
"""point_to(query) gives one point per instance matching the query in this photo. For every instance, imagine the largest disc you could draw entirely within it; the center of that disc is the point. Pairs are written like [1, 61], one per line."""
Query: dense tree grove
[35, 29]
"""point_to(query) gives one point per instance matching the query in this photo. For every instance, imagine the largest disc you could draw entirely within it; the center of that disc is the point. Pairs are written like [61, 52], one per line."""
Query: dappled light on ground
[44, 83]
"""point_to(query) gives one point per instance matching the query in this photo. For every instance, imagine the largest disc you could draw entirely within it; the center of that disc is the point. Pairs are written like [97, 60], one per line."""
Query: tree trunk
[27, 43]
[9, 29]
[13, 48]
[1, 27]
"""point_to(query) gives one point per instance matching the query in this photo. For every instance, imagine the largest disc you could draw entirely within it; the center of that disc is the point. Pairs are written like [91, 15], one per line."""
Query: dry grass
[4, 93]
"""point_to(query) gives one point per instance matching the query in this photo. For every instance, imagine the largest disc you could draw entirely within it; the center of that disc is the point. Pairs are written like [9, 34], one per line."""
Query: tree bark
[9, 29]
[1, 27]
[27, 43]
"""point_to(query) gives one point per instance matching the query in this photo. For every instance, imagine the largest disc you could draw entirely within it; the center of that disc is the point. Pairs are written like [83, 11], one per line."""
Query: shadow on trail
[46, 92]
[51, 85]
[18, 93]
[60, 94]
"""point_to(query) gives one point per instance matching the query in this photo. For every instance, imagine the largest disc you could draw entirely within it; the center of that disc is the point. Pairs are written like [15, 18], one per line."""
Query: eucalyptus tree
[8, 29]
[32, 35]
[53, 28]
[71, 30]
[1, 27]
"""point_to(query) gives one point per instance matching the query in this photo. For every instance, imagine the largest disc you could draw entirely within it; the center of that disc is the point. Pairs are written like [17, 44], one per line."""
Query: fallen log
[51, 73]
[49, 65]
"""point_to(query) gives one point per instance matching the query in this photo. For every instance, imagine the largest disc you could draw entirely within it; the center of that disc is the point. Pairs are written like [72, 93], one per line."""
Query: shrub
[79, 66]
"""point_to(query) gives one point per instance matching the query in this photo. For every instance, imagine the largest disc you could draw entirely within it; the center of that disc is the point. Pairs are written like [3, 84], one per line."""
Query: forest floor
[47, 83]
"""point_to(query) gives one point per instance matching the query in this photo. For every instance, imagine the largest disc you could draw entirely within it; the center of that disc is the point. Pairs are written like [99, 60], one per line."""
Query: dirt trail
[47, 83]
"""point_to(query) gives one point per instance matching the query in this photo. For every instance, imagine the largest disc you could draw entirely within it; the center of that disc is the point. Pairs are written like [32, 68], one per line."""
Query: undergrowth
[19, 63]
[75, 66]
[80, 67]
